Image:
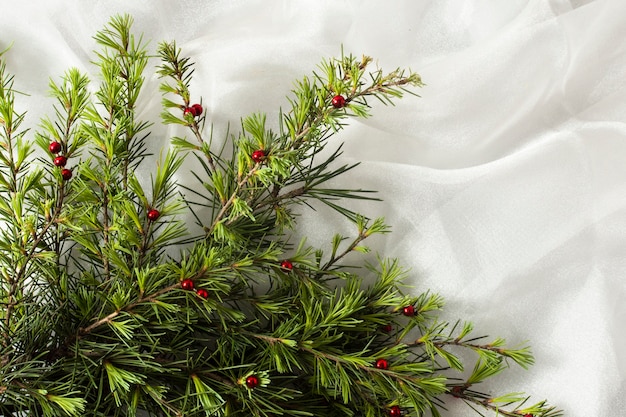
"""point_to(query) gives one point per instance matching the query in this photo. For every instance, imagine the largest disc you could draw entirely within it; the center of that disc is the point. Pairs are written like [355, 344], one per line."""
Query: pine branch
[364, 231]
[180, 70]
[109, 312]
[509, 405]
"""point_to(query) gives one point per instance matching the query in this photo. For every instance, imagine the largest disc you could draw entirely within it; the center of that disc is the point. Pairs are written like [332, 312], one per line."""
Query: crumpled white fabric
[505, 183]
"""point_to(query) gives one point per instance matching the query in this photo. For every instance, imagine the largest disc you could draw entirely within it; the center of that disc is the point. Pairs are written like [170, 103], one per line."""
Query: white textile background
[505, 183]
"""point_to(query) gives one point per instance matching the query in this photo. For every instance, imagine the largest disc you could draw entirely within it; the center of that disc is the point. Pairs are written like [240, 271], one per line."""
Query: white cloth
[505, 183]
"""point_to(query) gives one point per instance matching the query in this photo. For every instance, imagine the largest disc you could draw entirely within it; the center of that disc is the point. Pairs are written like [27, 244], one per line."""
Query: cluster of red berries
[195, 110]
[188, 285]
[60, 160]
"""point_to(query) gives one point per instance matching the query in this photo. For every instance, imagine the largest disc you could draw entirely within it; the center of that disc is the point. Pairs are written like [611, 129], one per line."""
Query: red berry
[528, 415]
[286, 265]
[381, 364]
[60, 161]
[66, 174]
[55, 147]
[187, 284]
[153, 215]
[202, 293]
[252, 381]
[338, 102]
[395, 411]
[457, 391]
[408, 311]
[189, 110]
[197, 108]
[387, 328]
[258, 156]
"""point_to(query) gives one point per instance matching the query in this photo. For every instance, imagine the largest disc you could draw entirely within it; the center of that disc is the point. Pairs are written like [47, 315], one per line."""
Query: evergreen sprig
[113, 306]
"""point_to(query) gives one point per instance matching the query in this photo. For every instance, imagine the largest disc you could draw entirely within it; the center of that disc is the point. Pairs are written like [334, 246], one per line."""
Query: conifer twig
[108, 312]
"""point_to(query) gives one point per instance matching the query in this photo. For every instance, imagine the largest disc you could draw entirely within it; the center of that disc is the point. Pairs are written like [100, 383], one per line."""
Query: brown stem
[14, 282]
[196, 131]
[178, 76]
[296, 192]
[361, 237]
[105, 231]
[105, 204]
[229, 202]
[152, 297]
[457, 342]
[128, 136]
[334, 358]
[86, 330]
[459, 391]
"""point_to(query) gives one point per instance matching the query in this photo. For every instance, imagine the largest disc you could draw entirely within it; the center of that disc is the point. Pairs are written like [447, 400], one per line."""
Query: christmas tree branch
[318, 110]
[180, 71]
[32, 217]
[509, 405]
[364, 231]
[127, 309]
[493, 350]
[62, 136]
[229, 203]
[109, 313]
[313, 117]
[23, 239]
[152, 297]
[126, 63]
